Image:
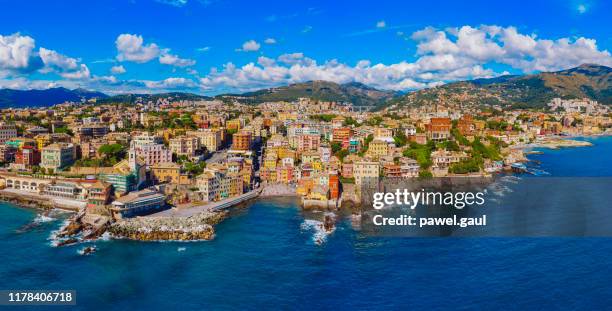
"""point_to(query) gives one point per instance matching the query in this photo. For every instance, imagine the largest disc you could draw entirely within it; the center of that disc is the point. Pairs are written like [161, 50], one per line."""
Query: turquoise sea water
[265, 256]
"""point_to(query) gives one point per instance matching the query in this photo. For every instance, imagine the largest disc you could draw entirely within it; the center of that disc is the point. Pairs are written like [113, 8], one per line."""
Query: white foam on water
[319, 235]
[53, 238]
[82, 251]
[181, 249]
[40, 218]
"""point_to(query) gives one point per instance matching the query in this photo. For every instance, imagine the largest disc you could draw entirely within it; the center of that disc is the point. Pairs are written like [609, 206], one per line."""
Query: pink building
[154, 153]
[308, 142]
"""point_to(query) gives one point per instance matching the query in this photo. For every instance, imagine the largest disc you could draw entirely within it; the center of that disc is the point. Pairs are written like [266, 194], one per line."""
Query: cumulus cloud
[17, 54]
[65, 66]
[250, 46]
[581, 8]
[174, 60]
[118, 69]
[170, 83]
[18, 57]
[443, 55]
[270, 41]
[504, 45]
[132, 48]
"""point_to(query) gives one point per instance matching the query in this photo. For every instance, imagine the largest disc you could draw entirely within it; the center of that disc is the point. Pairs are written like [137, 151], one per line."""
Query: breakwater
[193, 228]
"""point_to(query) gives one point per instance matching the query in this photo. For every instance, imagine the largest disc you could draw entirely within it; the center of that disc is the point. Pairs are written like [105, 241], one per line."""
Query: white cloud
[307, 29]
[250, 46]
[174, 60]
[176, 3]
[17, 54]
[581, 8]
[131, 48]
[65, 66]
[118, 69]
[381, 24]
[442, 56]
[203, 49]
[170, 83]
[270, 41]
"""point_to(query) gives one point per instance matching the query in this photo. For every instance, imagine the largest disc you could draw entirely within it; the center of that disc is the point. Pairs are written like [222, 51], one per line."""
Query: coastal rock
[197, 227]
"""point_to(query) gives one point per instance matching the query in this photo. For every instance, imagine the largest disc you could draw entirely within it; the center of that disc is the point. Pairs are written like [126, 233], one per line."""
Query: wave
[181, 249]
[42, 218]
[320, 233]
[54, 238]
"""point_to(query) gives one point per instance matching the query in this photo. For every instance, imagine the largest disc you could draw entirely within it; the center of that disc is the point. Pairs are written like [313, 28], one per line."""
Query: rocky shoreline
[29, 202]
[194, 228]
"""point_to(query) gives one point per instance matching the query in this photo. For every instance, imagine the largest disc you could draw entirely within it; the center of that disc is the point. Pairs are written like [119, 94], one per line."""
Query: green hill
[356, 93]
[528, 91]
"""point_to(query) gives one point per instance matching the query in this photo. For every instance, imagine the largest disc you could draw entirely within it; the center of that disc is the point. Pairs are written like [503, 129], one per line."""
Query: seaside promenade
[188, 211]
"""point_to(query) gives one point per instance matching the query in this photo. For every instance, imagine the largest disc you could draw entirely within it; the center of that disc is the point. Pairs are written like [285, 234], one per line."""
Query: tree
[336, 146]
[112, 153]
[400, 139]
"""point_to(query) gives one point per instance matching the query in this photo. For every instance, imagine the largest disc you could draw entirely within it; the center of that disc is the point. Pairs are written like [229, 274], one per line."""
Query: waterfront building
[57, 156]
[365, 172]
[334, 186]
[170, 173]
[127, 175]
[138, 203]
[66, 190]
[26, 158]
[99, 194]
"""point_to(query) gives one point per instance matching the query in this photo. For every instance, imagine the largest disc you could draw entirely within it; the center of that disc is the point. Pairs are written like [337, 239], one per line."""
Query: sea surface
[270, 255]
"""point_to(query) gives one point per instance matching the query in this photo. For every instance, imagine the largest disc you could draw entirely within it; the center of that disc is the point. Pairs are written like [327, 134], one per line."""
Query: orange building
[241, 141]
[465, 125]
[342, 134]
[438, 128]
[334, 186]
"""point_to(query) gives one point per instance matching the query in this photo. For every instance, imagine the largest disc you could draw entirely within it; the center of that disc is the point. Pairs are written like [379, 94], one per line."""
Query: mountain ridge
[519, 91]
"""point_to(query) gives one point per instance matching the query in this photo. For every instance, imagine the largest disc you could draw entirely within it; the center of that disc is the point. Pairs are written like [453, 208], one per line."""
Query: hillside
[42, 98]
[144, 98]
[356, 93]
[528, 91]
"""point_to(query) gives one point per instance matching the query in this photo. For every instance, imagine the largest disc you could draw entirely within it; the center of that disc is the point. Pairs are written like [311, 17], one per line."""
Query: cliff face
[194, 228]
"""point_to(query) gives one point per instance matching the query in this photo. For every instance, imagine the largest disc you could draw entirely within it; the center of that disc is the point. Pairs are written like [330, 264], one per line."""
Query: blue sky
[214, 46]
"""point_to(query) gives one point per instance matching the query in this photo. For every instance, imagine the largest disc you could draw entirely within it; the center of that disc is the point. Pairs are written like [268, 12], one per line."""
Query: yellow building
[212, 139]
[365, 170]
[378, 148]
[234, 124]
[270, 161]
[170, 173]
[310, 157]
